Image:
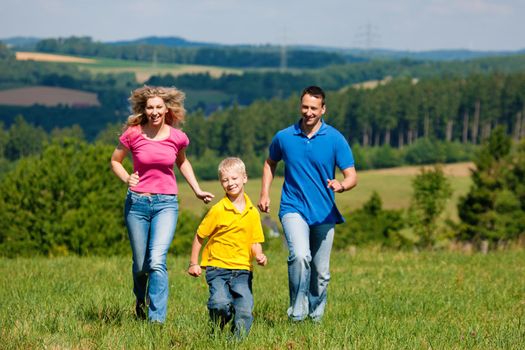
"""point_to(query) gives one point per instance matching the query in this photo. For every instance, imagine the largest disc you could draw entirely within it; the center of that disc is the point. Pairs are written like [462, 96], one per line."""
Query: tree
[494, 207]
[24, 140]
[431, 192]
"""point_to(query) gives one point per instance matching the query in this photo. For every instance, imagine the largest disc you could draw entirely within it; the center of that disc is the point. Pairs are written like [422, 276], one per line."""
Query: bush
[370, 225]
[425, 151]
[431, 192]
[67, 201]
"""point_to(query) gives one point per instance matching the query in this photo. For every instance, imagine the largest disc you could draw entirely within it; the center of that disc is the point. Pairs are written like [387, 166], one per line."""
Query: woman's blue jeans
[230, 296]
[151, 222]
[308, 266]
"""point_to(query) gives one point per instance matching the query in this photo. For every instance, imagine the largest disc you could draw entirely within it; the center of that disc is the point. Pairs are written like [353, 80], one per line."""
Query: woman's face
[156, 111]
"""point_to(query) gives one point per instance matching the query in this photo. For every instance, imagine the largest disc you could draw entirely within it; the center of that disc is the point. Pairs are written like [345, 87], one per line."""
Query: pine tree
[494, 207]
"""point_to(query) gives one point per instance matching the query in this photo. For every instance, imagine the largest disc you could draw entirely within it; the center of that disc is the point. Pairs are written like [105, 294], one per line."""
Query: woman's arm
[118, 169]
[186, 170]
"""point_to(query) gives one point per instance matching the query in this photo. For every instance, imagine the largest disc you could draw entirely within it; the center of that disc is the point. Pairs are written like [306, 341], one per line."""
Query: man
[311, 150]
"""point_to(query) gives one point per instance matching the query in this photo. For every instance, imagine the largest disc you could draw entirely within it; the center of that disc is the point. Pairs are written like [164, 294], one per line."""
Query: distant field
[48, 57]
[393, 185]
[48, 96]
[142, 70]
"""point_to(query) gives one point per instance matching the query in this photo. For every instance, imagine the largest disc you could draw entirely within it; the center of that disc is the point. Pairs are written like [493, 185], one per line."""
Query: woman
[151, 207]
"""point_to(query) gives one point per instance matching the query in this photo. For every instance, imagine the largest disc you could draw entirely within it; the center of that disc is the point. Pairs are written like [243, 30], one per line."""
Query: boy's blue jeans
[230, 296]
[151, 222]
[308, 266]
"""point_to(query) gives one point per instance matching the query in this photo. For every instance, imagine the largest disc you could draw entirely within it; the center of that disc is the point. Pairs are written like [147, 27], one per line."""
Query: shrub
[431, 192]
[370, 225]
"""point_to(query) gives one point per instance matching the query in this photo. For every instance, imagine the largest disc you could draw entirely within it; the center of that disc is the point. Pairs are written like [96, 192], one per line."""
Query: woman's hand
[206, 197]
[133, 179]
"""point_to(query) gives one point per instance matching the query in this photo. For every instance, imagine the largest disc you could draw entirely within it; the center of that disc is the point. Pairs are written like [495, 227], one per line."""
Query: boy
[234, 232]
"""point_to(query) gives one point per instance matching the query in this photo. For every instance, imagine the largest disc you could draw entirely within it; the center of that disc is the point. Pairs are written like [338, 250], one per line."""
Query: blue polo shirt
[309, 162]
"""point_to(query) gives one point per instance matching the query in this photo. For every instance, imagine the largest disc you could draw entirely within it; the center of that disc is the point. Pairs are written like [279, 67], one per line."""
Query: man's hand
[335, 185]
[264, 203]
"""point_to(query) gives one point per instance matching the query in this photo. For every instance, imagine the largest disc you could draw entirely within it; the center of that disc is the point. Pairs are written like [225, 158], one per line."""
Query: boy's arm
[259, 255]
[194, 269]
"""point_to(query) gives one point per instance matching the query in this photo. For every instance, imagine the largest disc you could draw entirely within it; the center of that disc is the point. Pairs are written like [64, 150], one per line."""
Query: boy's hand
[195, 270]
[261, 259]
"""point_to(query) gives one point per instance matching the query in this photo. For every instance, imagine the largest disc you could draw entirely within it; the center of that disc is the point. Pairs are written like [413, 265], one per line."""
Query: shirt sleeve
[125, 139]
[182, 140]
[208, 224]
[275, 151]
[257, 233]
[344, 157]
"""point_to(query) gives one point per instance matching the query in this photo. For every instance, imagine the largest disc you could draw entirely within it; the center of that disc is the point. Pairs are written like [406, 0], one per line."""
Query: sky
[414, 25]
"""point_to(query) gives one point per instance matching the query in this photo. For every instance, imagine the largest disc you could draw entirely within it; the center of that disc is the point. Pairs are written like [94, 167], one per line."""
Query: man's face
[312, 110]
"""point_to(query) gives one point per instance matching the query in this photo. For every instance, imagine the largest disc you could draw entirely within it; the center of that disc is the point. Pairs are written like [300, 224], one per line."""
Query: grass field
[393, 185]
[377, 300]
[142, 70]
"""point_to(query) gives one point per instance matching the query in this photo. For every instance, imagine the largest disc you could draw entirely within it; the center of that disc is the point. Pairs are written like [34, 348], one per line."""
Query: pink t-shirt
[154, 159]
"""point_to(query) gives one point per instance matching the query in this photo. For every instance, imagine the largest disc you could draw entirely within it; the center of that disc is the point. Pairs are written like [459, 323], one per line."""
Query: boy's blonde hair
[232, 163]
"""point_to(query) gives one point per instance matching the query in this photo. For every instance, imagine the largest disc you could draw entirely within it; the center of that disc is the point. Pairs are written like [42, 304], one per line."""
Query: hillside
[29, 43]
[48, 96]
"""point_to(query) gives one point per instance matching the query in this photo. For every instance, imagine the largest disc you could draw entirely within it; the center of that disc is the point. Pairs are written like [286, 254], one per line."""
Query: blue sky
[413, 25]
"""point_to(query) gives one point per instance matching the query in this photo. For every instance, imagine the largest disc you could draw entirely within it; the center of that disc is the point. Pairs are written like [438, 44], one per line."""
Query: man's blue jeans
[151, 222]
[308, 266]
[230, 296]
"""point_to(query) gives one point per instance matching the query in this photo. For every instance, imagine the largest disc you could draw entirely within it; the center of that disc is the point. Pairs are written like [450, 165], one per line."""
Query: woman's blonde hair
[172, 97]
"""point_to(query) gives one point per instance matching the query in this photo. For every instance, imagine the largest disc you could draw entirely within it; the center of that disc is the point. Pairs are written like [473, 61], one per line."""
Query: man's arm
[267, 178]
[349, 181]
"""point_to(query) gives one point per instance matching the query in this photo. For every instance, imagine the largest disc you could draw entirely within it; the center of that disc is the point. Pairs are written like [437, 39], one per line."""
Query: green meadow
[144, 70]
[377, 300]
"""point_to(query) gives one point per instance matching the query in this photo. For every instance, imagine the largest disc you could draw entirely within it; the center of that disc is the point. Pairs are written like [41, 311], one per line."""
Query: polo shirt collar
[321, 131]
[228, 205]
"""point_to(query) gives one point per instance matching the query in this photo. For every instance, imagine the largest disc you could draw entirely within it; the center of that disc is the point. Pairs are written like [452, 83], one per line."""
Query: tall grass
[377, 300]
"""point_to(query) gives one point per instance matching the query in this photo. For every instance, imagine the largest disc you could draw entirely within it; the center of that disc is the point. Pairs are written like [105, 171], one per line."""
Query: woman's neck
[153, 131]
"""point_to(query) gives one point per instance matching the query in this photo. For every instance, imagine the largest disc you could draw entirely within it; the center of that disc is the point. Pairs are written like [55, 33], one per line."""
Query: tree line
[397, 114]
[223, 56]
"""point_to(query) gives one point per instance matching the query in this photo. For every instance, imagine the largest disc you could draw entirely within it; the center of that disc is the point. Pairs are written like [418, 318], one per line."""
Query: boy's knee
[220, 309]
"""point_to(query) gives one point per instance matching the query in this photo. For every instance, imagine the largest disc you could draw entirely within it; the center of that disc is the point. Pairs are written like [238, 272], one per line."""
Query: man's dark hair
[314, 91]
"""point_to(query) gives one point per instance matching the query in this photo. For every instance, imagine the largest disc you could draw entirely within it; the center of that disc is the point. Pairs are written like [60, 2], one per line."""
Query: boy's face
[233, 181]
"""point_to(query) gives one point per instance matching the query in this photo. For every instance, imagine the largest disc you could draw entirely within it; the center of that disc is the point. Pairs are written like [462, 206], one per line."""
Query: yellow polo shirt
[230, 235]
